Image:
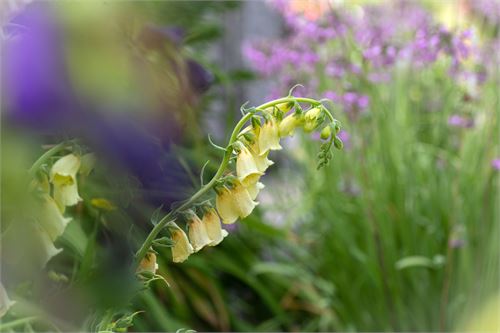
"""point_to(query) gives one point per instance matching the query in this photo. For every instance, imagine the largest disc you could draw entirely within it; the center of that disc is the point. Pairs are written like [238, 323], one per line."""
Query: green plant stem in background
[18, 322]
[222, 167]
[49, 153]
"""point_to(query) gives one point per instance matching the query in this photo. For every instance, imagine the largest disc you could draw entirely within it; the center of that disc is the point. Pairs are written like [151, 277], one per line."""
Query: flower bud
[63, 176]
[269, 138]
[326, 132]
[182, 249]
[312, 119]
[197, 232]
[287, 126]
[213, 225]
[338, 143]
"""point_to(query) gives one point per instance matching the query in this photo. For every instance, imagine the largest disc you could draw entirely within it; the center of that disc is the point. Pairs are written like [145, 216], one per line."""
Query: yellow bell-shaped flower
[63, 176]
[225, 206]
[197, 233]
[288, 124]
[261, 161]
[182, 249]
[233, 203]
[213, 225]
[246, 165]
[148, 263]
[268, 137]
[51, 218]
[242, 200]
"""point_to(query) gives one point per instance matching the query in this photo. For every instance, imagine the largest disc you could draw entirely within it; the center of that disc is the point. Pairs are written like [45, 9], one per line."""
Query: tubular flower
[197, 233]
[63, 176]
[261, 161]
[213, 225]
[269, 138]
[182, 249]
[148, 263]
[242, 200]
[234, 203]
[312, 119]
[246, 165]
[224, 203]
[288, 124]
[51, 219]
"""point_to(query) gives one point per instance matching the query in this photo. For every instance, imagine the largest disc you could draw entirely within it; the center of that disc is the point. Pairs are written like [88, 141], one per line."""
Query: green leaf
[163, 242]
[156, 216]
[414, 261]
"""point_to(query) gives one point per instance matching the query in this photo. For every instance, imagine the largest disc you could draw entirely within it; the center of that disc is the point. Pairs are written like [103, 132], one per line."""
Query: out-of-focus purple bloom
[346, 138]
[488, 9]
[37, 90]
[496, 163]
[460, 121]
[355, 103]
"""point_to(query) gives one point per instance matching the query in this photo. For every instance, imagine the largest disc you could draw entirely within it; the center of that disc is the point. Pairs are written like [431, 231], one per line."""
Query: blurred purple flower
[488, 9]
[37, 90]
[496, 163]
[460, 121]
[346, 138]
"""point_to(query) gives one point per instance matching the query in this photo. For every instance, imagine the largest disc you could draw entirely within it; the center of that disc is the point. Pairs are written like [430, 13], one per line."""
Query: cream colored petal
[242, 201]
[182, 249]
[198, 235]
[213, 225]
[250, 180]
[225, 206]
[51, 219]
[254, 189]
[47, 248]
[246, 165]
[269, 137]
[66, 166]
[66, 195]
[262, 162]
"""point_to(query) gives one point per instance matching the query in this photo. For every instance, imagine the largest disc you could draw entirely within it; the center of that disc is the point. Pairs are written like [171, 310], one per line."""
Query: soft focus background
[399, 233]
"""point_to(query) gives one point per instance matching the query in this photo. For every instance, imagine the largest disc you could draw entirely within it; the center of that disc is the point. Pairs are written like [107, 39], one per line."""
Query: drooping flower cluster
[237, 191]
[54, 193]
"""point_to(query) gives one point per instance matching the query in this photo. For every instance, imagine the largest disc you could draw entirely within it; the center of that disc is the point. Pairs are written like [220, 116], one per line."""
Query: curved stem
[222, 167]
[42, 159]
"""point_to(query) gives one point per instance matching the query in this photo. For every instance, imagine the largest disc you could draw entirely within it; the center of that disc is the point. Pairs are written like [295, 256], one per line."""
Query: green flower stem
[222, 167]
[15, 323]
[49, 153]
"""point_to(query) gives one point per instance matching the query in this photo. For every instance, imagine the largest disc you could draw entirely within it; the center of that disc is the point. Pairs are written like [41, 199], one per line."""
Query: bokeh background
[399, 233]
